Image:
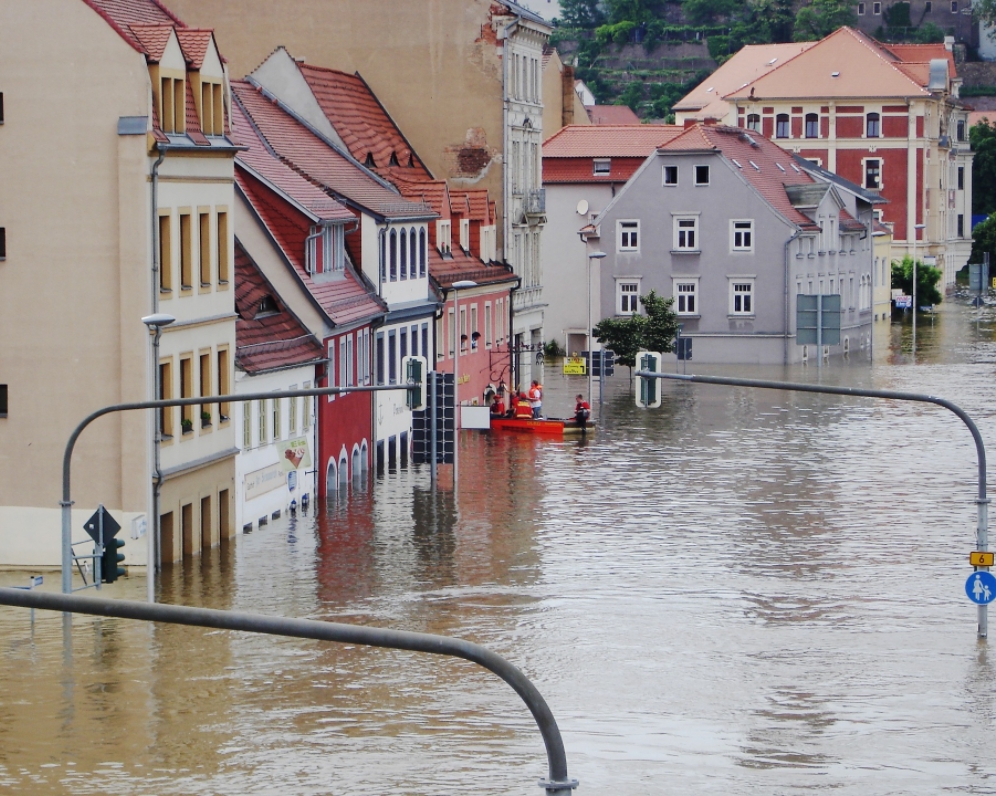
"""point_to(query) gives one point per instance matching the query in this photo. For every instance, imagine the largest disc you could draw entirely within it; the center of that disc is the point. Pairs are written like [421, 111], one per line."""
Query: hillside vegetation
[648, 54]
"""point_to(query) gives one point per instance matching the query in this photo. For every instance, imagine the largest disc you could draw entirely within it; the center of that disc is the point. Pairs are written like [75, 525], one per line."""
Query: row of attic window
[172, 106]
[873, 126]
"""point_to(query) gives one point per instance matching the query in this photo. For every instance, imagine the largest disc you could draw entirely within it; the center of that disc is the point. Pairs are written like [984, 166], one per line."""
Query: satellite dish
[583, 207]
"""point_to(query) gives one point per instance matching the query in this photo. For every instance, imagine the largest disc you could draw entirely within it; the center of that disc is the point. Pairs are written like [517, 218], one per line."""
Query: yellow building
[116, 156]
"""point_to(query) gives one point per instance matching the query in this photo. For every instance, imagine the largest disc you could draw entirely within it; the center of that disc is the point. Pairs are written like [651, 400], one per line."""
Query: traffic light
[648, 389]
[416, 374]
[109, 569]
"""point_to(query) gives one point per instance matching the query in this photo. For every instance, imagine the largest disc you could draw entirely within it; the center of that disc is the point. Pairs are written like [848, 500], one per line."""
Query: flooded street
[742, 592]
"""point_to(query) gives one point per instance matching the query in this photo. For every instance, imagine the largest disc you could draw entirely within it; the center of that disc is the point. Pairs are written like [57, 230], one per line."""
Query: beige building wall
[75, 201]
[74, 205]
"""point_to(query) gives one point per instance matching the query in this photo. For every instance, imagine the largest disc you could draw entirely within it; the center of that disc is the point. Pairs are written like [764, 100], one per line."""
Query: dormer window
[267, 306]
[369, 162]
[325, 249]
[212, 109]
[465, 234]
[172, 105]
[602, 166]
[394, 160]
[443, 239]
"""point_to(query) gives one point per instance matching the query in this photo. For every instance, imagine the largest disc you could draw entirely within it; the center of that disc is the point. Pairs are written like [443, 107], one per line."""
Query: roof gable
[122, 14]
[844, 64]
[606, 141]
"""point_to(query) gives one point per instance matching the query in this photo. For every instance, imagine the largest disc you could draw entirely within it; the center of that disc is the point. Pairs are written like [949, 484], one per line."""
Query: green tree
[984, 240]
[821, 18]
[581, 13]
[654, 331]
[983, 139]
[927, 277]
[634, 10]
[703, 12]
[631, 96]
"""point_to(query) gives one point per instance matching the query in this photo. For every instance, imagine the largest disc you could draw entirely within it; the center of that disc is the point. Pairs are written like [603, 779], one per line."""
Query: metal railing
[557, 784]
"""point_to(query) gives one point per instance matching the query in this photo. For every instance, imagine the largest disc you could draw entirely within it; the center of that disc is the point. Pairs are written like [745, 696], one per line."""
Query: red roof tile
[577, 170]
[123, 14]
[612, 114]
[194, 42]
[345, 300]
[192, 122]
[434, 193]
[362, 122]
[447, 270]
[258, 158]
[608, 141]
[270, 339]
[765, 165]
[297, 146]
[153, 39]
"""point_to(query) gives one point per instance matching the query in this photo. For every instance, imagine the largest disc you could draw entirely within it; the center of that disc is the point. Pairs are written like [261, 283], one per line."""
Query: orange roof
[845, 64]
[612, 114]
[365, 127]
[153, 39]
[749, 63]
[432, 192]
[765, 165]
[194, 42]
[462, 265]
[123, 14]
[923, 54]
[478, 206]
[608, 141]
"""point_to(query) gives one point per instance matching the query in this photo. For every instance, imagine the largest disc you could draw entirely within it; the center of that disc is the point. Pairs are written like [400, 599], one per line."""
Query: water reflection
[743, 591]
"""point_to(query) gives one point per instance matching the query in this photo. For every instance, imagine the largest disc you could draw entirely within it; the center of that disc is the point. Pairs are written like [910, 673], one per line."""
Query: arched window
[812, 125]
[873, 128]
[782, 125]
[383, 256]
[404, 254]
[754, 122]
[421, 252]
[412, 255]
[343, 471]
[331, 480]
[357, 470]
[394, 255]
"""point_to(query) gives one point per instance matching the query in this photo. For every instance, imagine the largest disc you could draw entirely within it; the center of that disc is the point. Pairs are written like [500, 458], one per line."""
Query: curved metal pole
[982, 528]
[558, 783]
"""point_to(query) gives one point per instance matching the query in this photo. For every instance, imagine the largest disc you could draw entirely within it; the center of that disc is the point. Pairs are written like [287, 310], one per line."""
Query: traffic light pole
[67, 501]
[982, 525]
[558, 782]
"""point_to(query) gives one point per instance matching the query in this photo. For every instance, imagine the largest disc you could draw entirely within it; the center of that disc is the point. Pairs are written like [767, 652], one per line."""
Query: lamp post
[591, 355]
[456, 287]
[916, 229]
[155, 323]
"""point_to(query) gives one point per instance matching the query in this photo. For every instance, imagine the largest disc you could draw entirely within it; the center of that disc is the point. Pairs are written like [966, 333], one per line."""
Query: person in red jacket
[582, 411]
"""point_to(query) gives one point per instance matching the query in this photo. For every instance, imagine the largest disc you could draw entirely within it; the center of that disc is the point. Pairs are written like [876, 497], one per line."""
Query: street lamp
[591, 356]
[456, 287]
[155, 323]
[916, 229]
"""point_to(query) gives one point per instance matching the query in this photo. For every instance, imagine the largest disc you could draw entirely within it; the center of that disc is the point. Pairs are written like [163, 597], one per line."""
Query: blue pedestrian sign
[981, 588]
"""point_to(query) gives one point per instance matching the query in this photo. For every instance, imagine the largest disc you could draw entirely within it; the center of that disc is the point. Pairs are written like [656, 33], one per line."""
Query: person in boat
[523, 408]
[582, 411]
[497, 406]
[536, 398]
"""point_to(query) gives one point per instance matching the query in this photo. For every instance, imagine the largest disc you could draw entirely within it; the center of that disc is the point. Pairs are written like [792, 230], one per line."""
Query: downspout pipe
[513, 353]
[785, 297]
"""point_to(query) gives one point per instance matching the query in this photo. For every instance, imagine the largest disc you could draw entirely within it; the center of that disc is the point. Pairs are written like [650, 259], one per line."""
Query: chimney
[690, 123]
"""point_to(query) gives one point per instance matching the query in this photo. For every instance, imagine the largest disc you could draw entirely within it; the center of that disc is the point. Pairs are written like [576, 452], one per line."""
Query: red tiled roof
[297, 146]
[281, 176]
[447, 270]
[759, 160]
[266, 340]
[608, 141]
[344, 300]
[923, 54]
[123, 14]
[480, 207]
[576, 170]
[362, 122]
[434, 193]
[193, 123]
[153, 39]
[612, 114]
[194, 42]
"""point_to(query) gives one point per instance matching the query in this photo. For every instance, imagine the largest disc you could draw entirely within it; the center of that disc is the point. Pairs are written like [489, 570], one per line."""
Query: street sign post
[981, 558]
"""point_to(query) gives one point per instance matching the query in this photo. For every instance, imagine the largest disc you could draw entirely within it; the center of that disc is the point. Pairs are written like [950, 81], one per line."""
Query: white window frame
[628, 235]
[677, 219]
[708, 173]
[736, 282]
[664, 175]
[681, 296]
[601, 167]
[621, 305]
[443, 236]
[735, 233]
[465, 234]
[881, 173]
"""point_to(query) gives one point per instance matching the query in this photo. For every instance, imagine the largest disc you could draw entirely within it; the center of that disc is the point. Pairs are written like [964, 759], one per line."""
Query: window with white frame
[670, 175]
[627, 296]
[465, 234]
[686, 233]
[602, 167]
[326, 250]
[443, 242]
[741, 295]
[742, 235]
[686, 296]
[488, 332]
[701, 175]
[628, 236]
[873, 173]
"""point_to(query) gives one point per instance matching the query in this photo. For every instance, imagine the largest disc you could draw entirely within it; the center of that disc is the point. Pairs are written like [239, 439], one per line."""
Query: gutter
[157, 473]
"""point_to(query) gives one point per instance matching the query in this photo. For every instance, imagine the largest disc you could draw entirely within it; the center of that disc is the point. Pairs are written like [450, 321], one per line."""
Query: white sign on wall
[264, 480]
